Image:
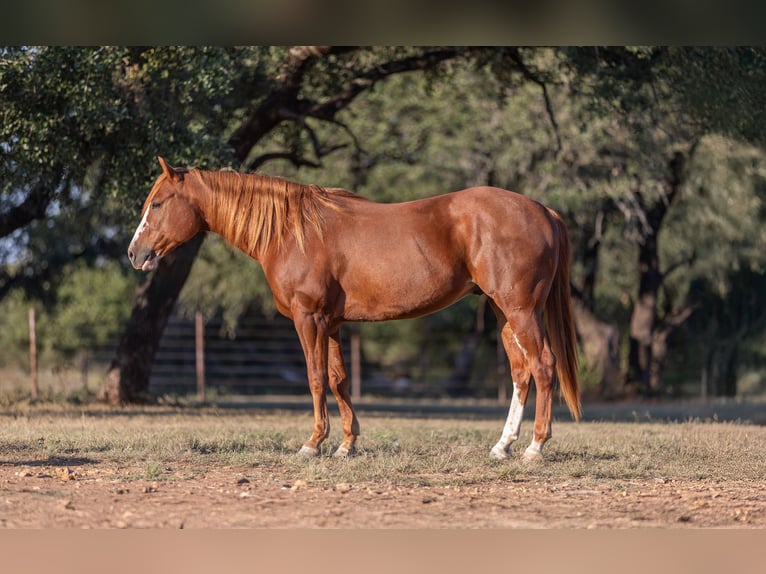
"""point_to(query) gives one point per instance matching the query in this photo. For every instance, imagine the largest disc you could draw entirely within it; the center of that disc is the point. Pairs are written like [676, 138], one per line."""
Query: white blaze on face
[140, 228]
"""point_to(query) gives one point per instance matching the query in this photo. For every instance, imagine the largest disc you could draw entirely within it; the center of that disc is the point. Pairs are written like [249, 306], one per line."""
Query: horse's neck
[232, 213]
[209, 208]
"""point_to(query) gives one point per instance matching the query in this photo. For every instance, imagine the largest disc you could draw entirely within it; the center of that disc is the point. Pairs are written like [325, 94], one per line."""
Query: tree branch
[671, 185]
[684, 261]
[676, 317]
[289, 79]
[293, 157]
[33, 207]
[530, 75]
[284, 103]
[327, 109]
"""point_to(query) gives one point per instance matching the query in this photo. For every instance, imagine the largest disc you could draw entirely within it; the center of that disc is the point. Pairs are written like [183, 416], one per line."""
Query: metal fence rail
[264, 357]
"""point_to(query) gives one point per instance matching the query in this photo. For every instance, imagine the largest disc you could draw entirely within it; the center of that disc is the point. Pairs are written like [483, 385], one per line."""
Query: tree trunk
[127, 380]
[458, 384]
[592, 237]
[643, 321]
[659, 354]
[721, 370]
[660, 337]
[600, 343]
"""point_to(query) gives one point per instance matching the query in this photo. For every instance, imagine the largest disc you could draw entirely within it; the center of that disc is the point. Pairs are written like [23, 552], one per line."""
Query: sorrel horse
[331, 256]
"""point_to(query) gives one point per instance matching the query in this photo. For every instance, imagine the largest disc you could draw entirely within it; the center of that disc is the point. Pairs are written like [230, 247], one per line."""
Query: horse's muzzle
[143, 259]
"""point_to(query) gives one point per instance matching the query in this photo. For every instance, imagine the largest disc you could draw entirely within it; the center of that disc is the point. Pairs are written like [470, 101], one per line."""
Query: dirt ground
[79, 495]
[76, 492]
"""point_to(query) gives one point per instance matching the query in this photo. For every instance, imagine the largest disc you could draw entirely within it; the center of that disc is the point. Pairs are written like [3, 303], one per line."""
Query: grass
[154, 443]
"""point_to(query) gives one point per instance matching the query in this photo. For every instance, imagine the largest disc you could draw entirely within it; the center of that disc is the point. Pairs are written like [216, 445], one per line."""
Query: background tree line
[653, 155]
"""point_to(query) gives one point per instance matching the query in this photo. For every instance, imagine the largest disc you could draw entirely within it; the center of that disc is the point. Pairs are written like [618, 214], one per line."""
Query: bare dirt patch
[88, 497]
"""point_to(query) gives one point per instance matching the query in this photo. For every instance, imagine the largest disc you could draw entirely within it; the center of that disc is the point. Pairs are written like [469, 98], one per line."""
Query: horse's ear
[171, 172]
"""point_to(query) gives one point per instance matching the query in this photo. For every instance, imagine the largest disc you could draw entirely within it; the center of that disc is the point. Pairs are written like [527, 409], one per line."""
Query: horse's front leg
[313, 334]
[339, 386]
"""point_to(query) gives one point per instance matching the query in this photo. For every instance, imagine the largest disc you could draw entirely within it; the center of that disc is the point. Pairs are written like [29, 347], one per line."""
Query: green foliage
[722, 89]
[118, 106]
[14, 330]
[723, 207]
[80, 129]
[395, 345]
[89, 312]
[91, 308]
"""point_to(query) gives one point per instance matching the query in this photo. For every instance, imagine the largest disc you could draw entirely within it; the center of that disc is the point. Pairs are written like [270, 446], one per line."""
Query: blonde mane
[253, 211]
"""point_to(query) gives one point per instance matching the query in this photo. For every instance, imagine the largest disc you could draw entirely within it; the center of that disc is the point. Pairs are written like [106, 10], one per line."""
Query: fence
[265, 357]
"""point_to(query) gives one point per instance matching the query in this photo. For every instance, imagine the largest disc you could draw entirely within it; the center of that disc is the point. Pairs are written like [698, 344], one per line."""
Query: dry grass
[167, 467]
[393, 450]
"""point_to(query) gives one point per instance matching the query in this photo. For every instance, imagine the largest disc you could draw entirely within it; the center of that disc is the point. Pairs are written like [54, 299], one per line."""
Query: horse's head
[169, 219]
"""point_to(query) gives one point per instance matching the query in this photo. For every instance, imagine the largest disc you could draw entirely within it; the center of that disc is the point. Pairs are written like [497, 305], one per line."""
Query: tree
[80, 132]
[667, 101]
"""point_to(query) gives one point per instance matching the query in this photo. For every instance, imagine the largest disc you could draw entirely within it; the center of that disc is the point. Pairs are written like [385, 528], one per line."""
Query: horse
[331, 256]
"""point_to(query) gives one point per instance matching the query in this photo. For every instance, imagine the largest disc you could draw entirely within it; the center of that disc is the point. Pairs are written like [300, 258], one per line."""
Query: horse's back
[460, 224]
[486, 201]
[497, 201]
[504, 218]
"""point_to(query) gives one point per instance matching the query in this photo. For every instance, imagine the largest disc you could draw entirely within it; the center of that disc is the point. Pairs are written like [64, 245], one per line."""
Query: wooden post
[356, 364]
[199, 353]
[33, 353]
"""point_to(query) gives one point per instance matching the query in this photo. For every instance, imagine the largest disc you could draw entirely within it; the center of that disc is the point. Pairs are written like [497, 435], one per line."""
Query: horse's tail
[559, 319]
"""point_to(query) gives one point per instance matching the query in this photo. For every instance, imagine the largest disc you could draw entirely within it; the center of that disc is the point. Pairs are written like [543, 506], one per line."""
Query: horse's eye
[156, 205]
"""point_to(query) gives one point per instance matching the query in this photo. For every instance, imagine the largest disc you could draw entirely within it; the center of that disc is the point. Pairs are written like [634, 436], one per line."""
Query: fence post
[356, 364]
[199, 354]
[33, 353]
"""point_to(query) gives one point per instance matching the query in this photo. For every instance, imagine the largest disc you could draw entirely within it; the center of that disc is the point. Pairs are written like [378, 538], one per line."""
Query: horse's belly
[401, 296]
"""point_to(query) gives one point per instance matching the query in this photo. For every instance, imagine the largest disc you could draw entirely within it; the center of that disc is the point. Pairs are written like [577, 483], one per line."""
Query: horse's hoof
[499, 453]
[344, 452]
[533, 455]
[308, 452]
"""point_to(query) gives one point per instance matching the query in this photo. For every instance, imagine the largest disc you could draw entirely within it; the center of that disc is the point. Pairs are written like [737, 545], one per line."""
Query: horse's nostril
[131, 255]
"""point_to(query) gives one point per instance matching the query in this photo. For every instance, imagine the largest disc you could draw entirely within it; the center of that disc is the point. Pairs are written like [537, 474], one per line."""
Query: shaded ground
[633, 411]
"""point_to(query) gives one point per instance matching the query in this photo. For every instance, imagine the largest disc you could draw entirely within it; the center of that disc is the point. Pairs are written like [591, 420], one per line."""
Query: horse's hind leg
[520, 377]
[528, 348]
[339, 386]
[530, 337]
